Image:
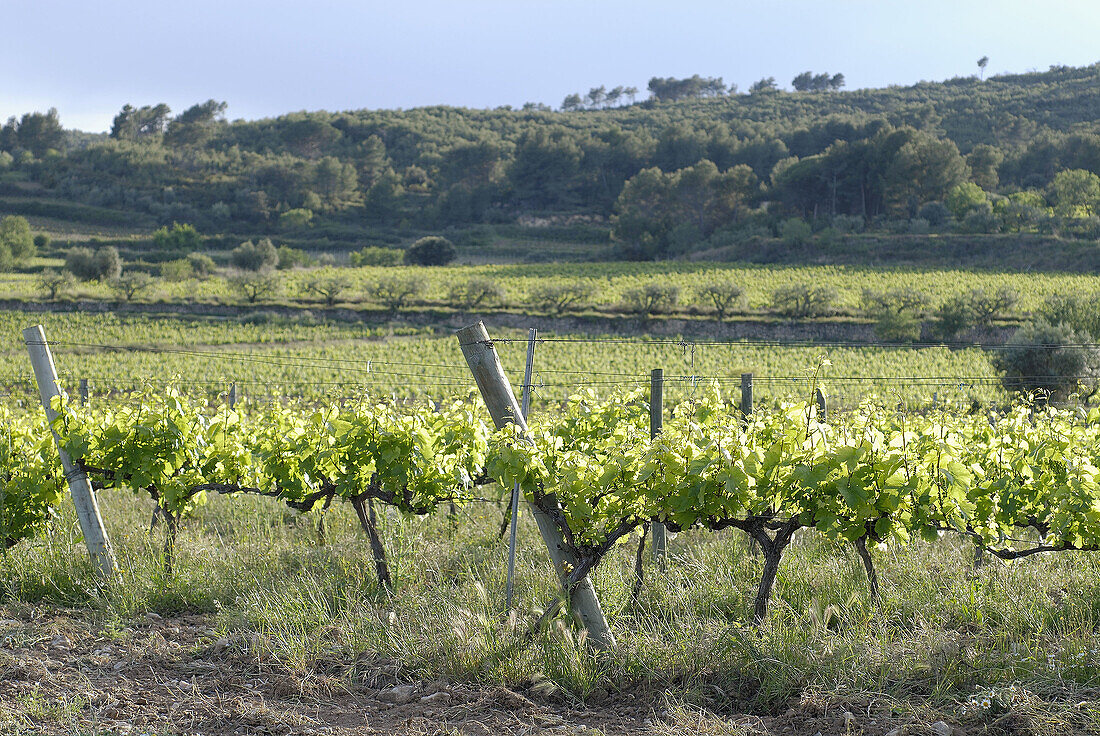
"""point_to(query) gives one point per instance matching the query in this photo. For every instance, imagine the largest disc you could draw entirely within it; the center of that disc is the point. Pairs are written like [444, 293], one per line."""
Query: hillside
[647, 180]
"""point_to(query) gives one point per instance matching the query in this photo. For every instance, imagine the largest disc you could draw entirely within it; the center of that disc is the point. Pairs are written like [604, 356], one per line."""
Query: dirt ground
[61, 674]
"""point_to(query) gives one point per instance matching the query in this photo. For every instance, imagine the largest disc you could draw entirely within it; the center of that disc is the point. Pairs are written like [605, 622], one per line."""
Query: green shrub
[962, 198]
[201, 264]
[372, 255]
[103, 264]
[180, 237]
[292, 258]
[795, 231]
[16, 242]
[979, 221]
[1052, 360]
[919, 226]
[296, 219]
[952, 318]
[249, 256]
[847, 224]
[1081, 312]
[897, 313]
[178, 270]
[430, 251]
[935, 213]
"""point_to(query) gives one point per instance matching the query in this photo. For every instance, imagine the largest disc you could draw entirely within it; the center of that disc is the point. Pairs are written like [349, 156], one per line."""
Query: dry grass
[947, 641]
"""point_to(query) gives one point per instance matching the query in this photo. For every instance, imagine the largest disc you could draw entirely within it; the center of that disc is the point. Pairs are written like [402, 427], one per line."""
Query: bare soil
[61, 672]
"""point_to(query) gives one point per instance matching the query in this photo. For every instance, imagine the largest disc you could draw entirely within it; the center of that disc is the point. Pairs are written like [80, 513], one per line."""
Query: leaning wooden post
[232, 396]
[656, 422]
[87, 508]
[84, 391]
[499, 399]
[528, 369]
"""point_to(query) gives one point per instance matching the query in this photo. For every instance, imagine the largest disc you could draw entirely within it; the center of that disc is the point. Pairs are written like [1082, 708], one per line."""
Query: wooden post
[532, 334]
[87, 508]
[746, 394]
[822, 409]
[656, 422]
[84, 391]
[232, 396]
[501, 402]
[746, 410]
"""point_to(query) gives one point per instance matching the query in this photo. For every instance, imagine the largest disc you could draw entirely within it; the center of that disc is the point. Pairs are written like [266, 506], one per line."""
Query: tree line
[709, 159]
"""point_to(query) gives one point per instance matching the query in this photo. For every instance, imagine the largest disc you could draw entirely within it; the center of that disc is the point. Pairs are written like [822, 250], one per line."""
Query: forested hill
[1010, 153]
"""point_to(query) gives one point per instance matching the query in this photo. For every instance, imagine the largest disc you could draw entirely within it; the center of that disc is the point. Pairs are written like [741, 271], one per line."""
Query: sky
[268, 57]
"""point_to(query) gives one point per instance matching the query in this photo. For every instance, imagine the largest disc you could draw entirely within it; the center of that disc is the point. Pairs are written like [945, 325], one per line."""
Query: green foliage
[801, 301]
[296, 219]
[935, 213]
[181, 238]
[372, 255]
[810, 82]
[984, 161]
[177, 270]
[1079, 312]
[35, 134]
[965, 197]
[953, 317]
[102, 264]
[562, 296]
[255, 286]
[724, 296]
[988, 304]
[249, 256]
[671, 89]
[795, 231]
[651, 299]
[131, 284]
[288, 257]
[42, 241]
[868, 154]
[848, 224]
[1052, 360]
[395, 292]
[31, 480]
[328, 285]
[16, 242]
[979, 220]
[201, 264]
[195, 125]
[897, 313]
[55, 283]
[144, 123]
[430, 251]
[476, 292]
[1075, 193]
[654, 207]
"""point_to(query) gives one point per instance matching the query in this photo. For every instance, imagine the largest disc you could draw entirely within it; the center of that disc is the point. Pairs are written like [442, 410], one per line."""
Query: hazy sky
[267, 57]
